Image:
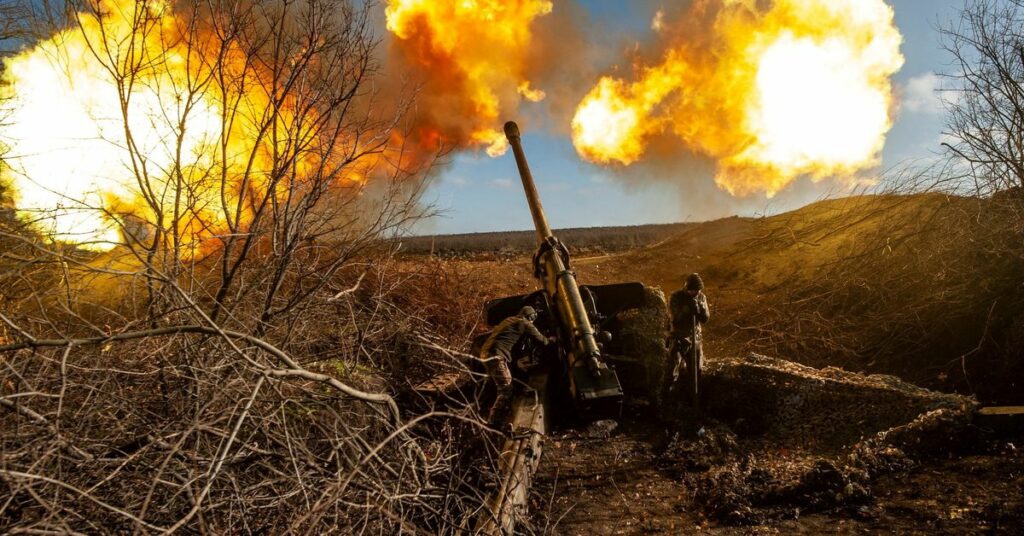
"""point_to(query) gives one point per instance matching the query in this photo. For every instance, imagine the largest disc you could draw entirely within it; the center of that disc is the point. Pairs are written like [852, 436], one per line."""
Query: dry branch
[294, 371]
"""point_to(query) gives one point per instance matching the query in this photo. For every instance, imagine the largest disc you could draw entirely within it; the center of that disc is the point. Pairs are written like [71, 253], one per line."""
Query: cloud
[501, 183]
[923, 94]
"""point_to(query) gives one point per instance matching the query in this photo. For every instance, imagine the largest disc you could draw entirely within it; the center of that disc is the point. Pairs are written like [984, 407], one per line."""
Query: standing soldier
[497, 353]
[689, 309]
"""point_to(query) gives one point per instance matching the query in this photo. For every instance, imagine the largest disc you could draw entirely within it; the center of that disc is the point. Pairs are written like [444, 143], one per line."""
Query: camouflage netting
[641, 336]
[783, 436]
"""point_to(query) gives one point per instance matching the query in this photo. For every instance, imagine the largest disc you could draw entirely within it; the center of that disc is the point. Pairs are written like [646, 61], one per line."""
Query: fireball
[471, 58]
[770, 90]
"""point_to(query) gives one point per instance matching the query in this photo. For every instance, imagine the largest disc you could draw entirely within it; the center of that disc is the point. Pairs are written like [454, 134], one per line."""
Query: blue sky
[477, 193]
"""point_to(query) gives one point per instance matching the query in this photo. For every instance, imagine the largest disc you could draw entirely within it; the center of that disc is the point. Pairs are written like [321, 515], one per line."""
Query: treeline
[580, 240]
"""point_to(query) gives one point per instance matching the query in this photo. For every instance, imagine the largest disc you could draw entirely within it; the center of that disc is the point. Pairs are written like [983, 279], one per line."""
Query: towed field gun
[581, 317]
[584, 320]
[596, 327]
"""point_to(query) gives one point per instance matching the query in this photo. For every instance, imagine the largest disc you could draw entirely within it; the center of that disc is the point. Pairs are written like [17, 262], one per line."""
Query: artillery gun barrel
[552, 268]
[540, 221]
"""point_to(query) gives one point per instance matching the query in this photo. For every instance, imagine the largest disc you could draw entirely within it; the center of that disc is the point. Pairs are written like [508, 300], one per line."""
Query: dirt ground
[620, 485]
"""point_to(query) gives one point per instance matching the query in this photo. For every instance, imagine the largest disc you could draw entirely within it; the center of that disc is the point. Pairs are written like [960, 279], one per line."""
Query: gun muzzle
[511, 131]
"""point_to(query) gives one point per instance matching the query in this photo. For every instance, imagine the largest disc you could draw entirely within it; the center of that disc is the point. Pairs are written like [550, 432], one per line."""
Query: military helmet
[694, 282]
[528, 312]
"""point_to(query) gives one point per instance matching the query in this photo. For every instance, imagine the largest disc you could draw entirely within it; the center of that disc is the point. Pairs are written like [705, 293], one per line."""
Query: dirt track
[598, 485]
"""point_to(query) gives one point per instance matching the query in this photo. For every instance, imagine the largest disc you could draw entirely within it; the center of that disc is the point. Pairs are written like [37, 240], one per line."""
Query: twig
[349, 290]
[112, 508]
[295, 370]
[220, 461]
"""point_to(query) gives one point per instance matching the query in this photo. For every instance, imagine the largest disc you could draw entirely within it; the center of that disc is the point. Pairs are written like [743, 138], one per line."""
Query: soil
[622, 485]
[785, 448]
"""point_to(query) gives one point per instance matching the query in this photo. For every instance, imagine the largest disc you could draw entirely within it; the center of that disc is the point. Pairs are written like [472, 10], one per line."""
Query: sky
[477, 193]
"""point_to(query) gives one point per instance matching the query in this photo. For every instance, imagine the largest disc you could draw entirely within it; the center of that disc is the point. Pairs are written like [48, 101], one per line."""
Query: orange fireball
[115, 124]
[771, 90]
[471, 58]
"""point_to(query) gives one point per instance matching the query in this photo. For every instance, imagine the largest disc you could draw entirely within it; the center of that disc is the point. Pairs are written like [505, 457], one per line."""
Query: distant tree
[985, 97]
[985, 126]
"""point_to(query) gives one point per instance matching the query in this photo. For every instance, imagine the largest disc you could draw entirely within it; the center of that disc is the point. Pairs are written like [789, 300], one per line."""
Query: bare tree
[13, 15]
[13, 18]
[302, 147]
[986, 97]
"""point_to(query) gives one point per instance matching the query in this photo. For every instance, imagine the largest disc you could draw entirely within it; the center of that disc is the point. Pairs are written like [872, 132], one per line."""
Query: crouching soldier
[496, 354]
[689, 308]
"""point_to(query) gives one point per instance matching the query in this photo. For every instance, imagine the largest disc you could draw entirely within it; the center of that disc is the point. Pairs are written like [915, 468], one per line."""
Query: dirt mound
[786, 439]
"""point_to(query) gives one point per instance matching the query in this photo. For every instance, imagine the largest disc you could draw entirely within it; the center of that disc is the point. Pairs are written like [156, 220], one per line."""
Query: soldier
[689, 308]
[497, 353]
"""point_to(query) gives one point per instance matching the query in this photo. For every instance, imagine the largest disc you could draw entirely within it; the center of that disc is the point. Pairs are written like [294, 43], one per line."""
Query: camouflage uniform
[689, 313]
[497, 354]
